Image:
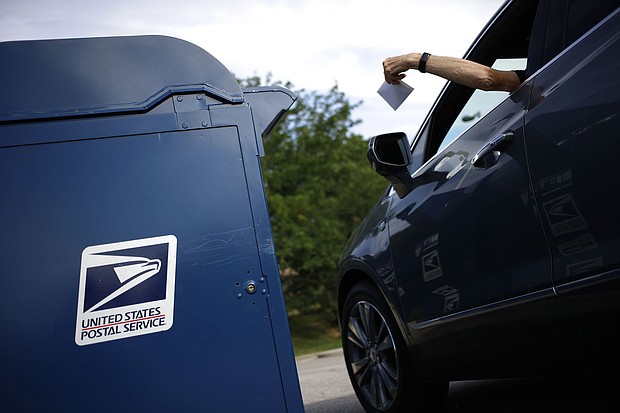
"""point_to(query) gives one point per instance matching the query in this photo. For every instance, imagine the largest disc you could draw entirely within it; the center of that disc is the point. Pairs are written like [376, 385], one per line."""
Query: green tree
[319, 186]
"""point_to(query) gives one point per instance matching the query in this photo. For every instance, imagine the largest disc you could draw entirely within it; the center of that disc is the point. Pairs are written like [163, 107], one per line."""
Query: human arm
[461, 71]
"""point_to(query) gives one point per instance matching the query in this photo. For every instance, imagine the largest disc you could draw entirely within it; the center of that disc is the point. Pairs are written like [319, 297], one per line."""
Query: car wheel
[377, 360]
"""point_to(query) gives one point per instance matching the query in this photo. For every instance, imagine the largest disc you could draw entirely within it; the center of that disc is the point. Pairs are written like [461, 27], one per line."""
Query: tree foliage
[319, 186]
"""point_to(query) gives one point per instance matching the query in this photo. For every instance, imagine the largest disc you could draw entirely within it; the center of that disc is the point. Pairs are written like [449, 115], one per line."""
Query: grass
[313, 333]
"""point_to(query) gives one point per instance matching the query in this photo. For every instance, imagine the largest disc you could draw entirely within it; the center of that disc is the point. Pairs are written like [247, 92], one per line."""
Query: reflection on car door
[572, 136]
[467, 240]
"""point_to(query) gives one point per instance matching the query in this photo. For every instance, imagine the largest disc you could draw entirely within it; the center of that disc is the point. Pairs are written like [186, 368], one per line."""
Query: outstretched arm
[464, 72]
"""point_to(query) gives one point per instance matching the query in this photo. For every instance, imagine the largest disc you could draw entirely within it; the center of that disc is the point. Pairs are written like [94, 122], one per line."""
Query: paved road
[325, 385]
[326, 389]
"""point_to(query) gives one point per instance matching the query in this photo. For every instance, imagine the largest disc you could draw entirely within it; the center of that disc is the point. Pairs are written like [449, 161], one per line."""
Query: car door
[572, 141]
[470, 254]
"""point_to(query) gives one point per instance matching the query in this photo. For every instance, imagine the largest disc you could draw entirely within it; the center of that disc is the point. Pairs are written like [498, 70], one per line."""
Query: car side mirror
[390, 156]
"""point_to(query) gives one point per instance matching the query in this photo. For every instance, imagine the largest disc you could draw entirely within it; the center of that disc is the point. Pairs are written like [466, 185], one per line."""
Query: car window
[503, 44]
[480, 103]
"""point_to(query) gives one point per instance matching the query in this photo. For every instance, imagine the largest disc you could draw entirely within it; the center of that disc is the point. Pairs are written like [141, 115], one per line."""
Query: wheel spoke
[365, 316]
[366, 393]
[386, 344]
[390, 370]
[382, 332]
[360, 364]
[358, 336]
[374, 389]
[382, 397]
[388, 377]
[362, 377]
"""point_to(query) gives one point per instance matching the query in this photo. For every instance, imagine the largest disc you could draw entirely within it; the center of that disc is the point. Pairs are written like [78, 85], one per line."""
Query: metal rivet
[264, 292]
[250, 287]
[179, 98]
[199, 97]
[239, 296]
[262, 279]
[205, 123]
[185, 126]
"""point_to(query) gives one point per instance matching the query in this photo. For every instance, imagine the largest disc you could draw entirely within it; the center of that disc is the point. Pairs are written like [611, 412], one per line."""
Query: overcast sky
[314, 44]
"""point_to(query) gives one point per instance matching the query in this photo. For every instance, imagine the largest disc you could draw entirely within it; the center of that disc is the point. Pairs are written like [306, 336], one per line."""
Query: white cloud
[312, 43]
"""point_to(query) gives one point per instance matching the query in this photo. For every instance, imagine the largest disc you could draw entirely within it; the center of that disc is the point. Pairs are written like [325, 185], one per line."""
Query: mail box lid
[78, 77]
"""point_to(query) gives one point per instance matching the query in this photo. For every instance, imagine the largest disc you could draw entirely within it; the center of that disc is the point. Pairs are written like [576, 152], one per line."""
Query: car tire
[377, 360]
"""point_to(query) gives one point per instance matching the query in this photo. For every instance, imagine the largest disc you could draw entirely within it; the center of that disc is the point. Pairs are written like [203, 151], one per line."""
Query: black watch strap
[422, 64]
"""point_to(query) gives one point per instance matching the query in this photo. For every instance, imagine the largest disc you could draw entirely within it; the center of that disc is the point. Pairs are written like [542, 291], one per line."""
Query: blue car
[495, 250]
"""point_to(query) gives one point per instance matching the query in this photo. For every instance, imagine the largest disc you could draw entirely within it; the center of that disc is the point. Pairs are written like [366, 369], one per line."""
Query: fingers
[393, 70]
[393, 78]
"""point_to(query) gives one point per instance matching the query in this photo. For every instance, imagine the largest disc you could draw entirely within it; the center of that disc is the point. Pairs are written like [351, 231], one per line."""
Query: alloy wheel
[372, 355]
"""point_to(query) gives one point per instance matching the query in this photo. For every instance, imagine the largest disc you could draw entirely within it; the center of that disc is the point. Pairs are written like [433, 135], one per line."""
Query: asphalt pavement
[325, 385]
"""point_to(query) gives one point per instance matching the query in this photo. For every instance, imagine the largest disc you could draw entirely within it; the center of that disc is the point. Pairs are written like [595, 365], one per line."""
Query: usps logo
[563, 216]
[431, 266]
[126, 289]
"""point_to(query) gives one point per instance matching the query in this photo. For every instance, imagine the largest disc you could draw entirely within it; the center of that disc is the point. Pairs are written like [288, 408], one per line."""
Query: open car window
[480, 103]
[503, 44]
[526, 36]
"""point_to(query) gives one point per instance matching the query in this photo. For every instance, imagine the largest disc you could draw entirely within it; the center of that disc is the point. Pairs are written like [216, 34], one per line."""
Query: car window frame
[484, 50]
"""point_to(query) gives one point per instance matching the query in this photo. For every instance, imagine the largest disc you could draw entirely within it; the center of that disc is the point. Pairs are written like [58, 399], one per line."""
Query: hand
[394, 68]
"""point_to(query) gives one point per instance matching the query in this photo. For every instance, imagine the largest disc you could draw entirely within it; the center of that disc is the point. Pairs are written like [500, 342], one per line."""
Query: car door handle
[381, 225]
[499, 143]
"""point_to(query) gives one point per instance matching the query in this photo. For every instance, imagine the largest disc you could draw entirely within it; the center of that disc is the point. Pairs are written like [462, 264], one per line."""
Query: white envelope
[395, 95]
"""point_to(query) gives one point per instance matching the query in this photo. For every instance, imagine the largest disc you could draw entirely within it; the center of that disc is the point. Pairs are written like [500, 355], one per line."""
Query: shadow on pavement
[511, 396]
[327, 389]
[579, 394]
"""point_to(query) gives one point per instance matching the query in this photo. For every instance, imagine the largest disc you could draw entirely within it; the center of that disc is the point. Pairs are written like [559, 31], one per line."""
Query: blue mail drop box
[138, 265]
